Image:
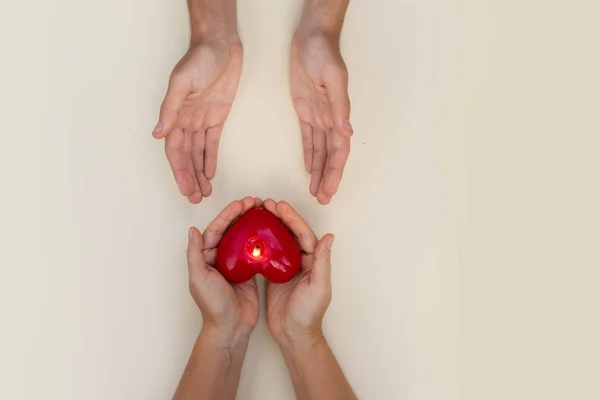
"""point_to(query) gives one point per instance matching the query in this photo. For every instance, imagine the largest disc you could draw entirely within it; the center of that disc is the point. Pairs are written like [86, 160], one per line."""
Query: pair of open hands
[294, 309]
[201, 91]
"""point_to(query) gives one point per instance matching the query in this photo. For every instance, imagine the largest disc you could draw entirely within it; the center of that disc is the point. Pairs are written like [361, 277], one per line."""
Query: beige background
[468, 240]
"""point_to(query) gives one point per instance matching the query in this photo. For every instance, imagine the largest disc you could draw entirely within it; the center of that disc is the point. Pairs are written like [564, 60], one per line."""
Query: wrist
[326, 16]
[214, 22]
[227, 337]
[301, 347]
[203, 34]
[301, 340]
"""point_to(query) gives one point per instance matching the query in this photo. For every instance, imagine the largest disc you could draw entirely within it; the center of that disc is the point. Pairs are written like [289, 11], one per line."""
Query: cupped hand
[319, 85]
[200, 94]
[295, 309]
[228, 309]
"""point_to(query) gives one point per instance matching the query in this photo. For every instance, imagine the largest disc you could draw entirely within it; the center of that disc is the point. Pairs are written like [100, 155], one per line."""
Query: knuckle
[319, 151]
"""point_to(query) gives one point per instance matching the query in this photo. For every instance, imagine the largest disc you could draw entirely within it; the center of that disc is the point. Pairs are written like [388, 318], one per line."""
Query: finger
[195, 258]
[338, 149]
[247, 203]
[196, 120]
[198, 161]
[257, 202]
[306, 237]
[318, 161]
[179, 161]
[184, 119]
[205, 185]
[304, 109]
[176, 93]
[323, 117]
[336, 84]
[321, 270]
[323, 198]
[196, 196]
[271, 206]
[213, 135]
[215, 230]
[210, 255]
[308, 261]
[307, 144]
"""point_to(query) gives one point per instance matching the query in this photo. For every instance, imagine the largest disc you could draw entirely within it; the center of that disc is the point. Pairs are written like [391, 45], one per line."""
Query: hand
[226, 309]
[295, 309]
[201, 90]
[319, 85]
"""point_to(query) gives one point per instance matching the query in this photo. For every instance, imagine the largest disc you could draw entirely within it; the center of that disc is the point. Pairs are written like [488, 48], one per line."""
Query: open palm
[319, 86]
[201, 91]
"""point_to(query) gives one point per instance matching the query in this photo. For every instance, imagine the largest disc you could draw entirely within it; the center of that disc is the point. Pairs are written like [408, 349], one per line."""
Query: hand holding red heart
[230, 310]
[295, 309]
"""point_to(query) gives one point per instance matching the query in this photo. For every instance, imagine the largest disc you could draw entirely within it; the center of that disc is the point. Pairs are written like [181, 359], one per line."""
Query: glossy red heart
[258, 243]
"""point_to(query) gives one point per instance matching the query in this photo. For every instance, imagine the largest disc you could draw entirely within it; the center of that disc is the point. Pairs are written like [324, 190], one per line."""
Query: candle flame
[256, 251]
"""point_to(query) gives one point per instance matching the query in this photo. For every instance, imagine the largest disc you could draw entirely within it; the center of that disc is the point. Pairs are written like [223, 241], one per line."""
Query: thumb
[337, 91]
[170, 107]
[321, 270]
[195, 257]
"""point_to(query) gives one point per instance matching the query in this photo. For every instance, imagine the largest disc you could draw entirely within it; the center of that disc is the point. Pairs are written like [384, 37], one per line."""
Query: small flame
[256, 251]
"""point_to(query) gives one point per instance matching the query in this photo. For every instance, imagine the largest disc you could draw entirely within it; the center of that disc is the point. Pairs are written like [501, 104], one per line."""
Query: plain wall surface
[467, 241]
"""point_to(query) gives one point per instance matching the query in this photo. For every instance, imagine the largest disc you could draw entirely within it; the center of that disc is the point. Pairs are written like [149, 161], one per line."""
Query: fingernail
[330, 242]
[157, 129]
[190, 234]
[347, 126]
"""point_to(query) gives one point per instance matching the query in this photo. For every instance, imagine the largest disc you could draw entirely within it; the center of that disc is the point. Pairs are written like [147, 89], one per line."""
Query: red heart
[258, 243]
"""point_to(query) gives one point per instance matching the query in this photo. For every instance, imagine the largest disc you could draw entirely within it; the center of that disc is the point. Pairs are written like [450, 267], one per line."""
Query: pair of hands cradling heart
[201, 91]
[295, 309]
